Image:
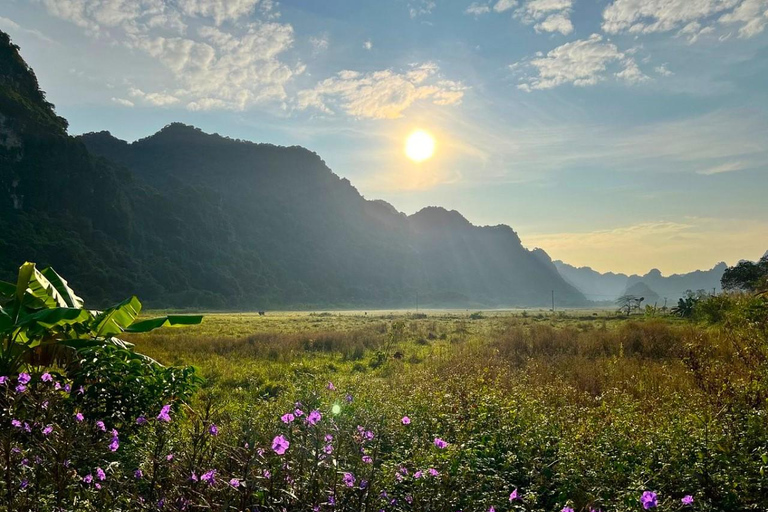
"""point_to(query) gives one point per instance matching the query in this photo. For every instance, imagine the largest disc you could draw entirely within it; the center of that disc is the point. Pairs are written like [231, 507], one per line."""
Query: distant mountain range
[189, 219]
[653, 286]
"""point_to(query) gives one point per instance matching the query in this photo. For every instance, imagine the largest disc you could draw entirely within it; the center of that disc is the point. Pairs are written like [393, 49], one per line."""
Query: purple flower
[141, 420]
[57, 386]
[287, 418]
[46, 377]
[349, 479]
[299, 413]
[687, 500]
[567, 509]
[328, 449]
[193, 477]
[367, 459]
[24, 483]
[328, 438]
[491, 509]
[169, 457]
[440, 443]
[47, 430]
[209, 476]
[314, 417]
[101, 426]
[234, 482]
[213, 429]
[16, 423]
[331, 500]
[406, 420]
[433, 472]
[368, 435]
[513, 495]
[138, 474]
[331, 386]
[348, 398]
[24, 378]
[649, 499]
[88, 478]
[164, 416]
[79, 417]
[280, 444]
[3, 380]
[114, 444]
[100, 474]
[418, 475]
[21, 388]
[44, 405]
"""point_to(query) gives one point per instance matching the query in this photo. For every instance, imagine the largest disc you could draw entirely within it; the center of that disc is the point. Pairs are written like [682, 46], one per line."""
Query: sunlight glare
[419, 146]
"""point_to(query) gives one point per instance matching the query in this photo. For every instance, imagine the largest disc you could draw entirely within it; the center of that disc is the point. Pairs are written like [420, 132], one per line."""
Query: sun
[419, 146]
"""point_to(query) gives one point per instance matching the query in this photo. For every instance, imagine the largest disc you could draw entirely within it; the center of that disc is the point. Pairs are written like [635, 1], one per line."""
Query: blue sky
[620, 134]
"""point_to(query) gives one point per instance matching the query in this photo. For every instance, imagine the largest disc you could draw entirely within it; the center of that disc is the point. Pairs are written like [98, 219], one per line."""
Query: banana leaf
[165, 321]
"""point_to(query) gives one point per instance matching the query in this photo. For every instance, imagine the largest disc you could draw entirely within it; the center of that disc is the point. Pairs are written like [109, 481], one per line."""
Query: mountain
[189, 219]
[609, 286]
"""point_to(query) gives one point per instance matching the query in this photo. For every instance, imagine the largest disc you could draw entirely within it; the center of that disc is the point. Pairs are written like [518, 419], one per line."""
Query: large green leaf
[117, 318]
[33, 289]
[166, 321]
[61, 286]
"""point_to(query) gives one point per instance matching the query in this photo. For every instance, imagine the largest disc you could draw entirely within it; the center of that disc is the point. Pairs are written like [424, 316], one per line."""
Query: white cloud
[504, 5]
[581, 63]
[368, 44]
[381, 94]
[476, 9]
[12, 27]
[159, 99]
[319, 44]
[123, 102]
[663, 70]
[726, 167]
[420, 7]
[555, 23]
[219, 10]
[690, 17]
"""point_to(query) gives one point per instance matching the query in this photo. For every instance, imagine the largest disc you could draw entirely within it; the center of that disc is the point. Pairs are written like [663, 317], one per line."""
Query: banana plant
[42, 319]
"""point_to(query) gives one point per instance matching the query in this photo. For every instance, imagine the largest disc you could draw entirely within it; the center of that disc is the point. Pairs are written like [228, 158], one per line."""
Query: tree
[746, 275]
[629, 303]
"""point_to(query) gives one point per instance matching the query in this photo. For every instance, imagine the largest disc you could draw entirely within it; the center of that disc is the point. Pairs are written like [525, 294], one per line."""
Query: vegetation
[435, 411]
[747, 275]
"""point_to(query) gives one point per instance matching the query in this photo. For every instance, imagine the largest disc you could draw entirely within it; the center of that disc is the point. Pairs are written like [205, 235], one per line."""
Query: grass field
[579, 408]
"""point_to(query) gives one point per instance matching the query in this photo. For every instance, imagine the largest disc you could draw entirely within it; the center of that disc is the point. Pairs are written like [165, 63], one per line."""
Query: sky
[623, 135]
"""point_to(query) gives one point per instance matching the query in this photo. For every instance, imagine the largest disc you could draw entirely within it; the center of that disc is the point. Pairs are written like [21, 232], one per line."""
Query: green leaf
[166, 321]
[116, 319]
[61, 286]
[7, 290]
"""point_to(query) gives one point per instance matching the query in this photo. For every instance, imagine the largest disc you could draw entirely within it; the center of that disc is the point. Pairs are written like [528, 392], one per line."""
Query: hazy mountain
[609, 286]
[184, 218]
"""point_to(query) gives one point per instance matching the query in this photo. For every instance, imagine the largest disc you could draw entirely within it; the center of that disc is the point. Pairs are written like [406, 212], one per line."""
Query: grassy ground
[580, 407]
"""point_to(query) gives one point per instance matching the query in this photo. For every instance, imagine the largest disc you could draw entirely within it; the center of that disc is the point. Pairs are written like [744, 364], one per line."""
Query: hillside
[190, 219]
[609, 286]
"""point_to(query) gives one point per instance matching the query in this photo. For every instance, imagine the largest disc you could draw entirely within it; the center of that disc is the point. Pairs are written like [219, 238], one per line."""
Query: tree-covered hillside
[190, 219]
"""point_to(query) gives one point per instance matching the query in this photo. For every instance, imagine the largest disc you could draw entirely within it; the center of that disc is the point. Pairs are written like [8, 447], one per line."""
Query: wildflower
[440, 443]
[47, 430]
[513, 495]
[418, 475]
[649, 500]
[3, 379]
[161, 503]
[24, 378]
[57, 386]
[21, 388]
[687, 500]
[100, 474]
[169, 457]
[491, 509]
[280, 444]
[141, 420]
[433, 472]
[209, 476]
[97, 486]
[314, 417]
[348, 398]
[267, 474]
[114, 444]
[79, 417]
[349, 479]
[406, 420]
[27, 428]
[567, 509]
[363, 484]
[328, 438]
[213, 429]
[287, 418]
[193, 477]
[331, 386]
[24, 483]
[234, 482]
[367, 459]
[331, 500]
[88, 478]
[164, 416]
[409, 499]
[100, 425]
[328, 449]
[368, 435]
[16, 423]
[138, 474]
[46, 377]
[44, 405]
[299, 413]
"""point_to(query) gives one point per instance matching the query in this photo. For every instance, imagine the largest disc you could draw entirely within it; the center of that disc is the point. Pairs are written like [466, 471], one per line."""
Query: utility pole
[553, 301]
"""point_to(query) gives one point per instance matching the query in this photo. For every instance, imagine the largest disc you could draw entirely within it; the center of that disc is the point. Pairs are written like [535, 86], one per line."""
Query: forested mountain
[609, 286]
[189, 219]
